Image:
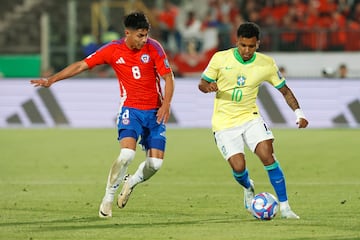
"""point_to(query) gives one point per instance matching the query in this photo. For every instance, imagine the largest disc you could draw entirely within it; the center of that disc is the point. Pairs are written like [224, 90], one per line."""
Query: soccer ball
[264, 206]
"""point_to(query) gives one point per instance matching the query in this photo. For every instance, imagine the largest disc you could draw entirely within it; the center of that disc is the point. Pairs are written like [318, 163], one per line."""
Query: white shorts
[232, 140]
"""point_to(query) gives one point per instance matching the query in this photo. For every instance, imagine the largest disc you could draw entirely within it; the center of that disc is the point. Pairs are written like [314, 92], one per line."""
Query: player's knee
[126, 156]
[154, 163]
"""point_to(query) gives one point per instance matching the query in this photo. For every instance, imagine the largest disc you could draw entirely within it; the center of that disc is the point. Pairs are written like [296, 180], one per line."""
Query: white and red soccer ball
[264, 206]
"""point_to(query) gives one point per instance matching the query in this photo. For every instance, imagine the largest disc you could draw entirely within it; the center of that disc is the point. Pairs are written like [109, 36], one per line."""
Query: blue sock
[242, 178]
[277, 180]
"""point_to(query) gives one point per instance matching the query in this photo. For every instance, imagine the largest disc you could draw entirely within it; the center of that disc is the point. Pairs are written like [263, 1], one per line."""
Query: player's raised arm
[71, 70]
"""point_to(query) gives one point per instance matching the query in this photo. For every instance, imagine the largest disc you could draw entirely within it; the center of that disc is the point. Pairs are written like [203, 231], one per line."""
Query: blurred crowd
[289, 25]
[192, 31]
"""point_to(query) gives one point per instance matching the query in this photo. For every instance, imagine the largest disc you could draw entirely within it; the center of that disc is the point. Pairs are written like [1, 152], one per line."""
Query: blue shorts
[142, 123]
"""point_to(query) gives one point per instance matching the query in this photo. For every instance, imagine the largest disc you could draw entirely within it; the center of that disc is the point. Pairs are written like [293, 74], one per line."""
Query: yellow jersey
[238, 85]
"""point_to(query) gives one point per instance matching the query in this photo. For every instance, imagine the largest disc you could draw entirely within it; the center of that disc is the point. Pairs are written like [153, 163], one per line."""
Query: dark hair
[136, 20]
[249, 30]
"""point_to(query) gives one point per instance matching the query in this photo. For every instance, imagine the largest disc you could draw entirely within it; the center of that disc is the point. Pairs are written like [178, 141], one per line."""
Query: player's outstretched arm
[71, 70]
[291, 100]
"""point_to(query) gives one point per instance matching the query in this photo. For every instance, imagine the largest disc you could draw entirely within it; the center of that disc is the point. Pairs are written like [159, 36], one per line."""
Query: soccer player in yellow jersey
[236, 75]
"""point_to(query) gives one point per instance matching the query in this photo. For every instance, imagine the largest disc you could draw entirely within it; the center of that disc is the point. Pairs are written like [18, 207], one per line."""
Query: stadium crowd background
[190, 31]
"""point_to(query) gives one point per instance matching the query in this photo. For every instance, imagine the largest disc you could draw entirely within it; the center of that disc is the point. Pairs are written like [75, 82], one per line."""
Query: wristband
[299, 114]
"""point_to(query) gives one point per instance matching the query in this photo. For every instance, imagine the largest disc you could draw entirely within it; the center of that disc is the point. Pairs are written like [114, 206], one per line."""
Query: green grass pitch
[52, 181]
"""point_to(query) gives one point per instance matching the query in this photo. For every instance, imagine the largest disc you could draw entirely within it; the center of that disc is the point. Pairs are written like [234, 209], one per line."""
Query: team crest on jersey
[241, 80]
[145, 58]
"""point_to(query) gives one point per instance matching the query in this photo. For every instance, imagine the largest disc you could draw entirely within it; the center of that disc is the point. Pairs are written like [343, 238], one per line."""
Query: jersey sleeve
[276, 78]
[210, 73]
[101, 56]
[161, 60]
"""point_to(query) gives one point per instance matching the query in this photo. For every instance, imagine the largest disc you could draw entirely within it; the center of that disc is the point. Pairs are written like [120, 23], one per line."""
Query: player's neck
[132, 48]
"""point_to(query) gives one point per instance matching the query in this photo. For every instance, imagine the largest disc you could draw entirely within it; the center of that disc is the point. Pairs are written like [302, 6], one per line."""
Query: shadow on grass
[78, 223]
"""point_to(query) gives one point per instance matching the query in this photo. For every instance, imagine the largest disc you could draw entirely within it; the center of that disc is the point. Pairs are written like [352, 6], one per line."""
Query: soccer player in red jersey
[138, 62]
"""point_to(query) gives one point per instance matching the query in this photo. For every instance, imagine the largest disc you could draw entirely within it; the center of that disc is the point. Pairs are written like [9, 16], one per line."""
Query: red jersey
[138, 71]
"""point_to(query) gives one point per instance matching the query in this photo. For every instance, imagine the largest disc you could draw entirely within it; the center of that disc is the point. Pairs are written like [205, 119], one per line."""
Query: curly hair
[249, 30]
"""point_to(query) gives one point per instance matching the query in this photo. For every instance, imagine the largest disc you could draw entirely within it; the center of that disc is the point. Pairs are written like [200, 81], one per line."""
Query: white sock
[284, 205]
[145, 170]
[117, 172]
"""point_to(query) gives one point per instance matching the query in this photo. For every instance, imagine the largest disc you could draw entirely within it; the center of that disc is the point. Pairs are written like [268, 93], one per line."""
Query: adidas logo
[350, 115]
[42, 110]
[120, 61]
